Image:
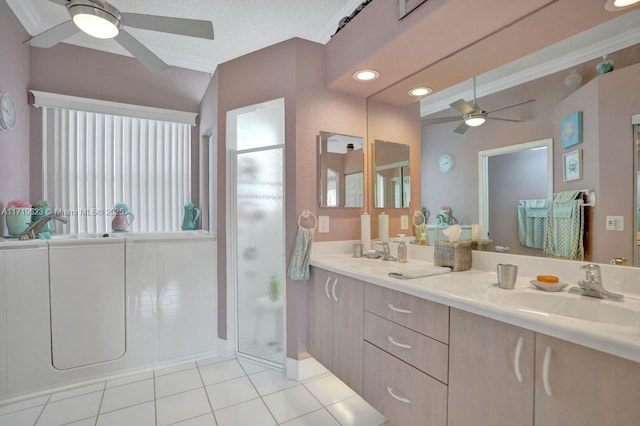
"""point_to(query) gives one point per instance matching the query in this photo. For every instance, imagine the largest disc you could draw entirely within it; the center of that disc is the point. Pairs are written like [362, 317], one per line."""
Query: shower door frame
[232, 152]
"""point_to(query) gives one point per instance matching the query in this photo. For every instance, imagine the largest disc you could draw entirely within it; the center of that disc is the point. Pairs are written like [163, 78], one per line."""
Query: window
[93, 160]
[332, 188]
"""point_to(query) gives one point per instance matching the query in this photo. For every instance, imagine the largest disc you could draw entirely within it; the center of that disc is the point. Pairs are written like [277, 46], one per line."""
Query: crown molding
[26, 13]
[609, 37]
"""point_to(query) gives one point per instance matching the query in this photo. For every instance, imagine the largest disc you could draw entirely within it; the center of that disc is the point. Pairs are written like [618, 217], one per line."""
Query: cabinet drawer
[402, 393]
[423, 316]
[422, 352]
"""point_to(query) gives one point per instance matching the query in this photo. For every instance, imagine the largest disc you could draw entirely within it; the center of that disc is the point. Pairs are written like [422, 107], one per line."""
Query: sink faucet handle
[385, 247]
[592, 272]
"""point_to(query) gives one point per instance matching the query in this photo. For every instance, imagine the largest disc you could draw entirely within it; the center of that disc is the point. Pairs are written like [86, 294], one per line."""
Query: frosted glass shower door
[260, 252]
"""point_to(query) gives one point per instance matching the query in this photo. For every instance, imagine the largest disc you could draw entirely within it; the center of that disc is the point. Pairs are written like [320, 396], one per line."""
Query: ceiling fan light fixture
[475, 119]
[94, 21]
[616, 5]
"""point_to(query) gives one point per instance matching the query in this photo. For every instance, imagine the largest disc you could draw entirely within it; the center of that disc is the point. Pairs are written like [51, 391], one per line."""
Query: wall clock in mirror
[7, 111]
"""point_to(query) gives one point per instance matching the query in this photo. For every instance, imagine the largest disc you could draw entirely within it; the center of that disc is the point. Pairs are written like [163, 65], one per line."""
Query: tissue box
[456, 255]
[481, 245]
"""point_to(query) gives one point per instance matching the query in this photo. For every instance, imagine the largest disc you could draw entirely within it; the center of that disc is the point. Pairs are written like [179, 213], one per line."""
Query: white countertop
[113, 237]
[476, 291]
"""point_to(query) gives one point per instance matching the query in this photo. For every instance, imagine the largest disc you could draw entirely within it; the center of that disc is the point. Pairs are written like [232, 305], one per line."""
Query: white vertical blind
[95, 160]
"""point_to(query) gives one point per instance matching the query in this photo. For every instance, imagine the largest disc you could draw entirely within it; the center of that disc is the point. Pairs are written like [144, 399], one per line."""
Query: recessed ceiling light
[366, 75]
[420, 91]
[616, 5]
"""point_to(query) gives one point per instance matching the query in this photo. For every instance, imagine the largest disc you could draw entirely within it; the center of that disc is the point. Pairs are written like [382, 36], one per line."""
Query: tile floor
[222, 392]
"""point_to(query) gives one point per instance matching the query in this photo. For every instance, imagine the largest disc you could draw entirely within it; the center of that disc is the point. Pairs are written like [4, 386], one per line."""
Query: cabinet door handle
[326, 287]
[545, 371]
[402, 311]
[398, 344]
[333, 290]
[399, 398]
[516, 359]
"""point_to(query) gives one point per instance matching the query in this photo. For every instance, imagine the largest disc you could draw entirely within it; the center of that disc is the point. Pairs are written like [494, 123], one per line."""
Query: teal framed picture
[571, 129]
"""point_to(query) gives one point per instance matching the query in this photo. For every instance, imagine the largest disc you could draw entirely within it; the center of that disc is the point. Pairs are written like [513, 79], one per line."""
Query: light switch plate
[404, 222]
[615, 223]
[323, 224]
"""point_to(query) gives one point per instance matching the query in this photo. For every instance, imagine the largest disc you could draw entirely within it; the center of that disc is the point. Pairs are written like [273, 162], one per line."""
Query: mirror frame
[341, 197]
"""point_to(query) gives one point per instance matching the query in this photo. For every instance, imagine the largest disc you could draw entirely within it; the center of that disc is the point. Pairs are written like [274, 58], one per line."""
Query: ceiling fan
[102, 20]
[472, 114]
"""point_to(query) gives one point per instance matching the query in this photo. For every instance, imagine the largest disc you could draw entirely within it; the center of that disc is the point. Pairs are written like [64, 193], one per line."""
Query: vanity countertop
[611, 327]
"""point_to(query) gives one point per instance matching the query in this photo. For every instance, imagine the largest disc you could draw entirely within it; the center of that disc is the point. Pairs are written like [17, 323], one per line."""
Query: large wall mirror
[340, 170]
[392, 177]
[562, 79]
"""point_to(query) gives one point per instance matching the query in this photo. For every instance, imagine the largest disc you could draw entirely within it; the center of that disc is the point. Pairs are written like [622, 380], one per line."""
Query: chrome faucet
[592, 285]
[35, 228]
[385, 254]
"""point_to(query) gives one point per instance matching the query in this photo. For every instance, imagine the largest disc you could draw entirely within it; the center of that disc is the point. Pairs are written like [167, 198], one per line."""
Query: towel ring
[305, 214]
[418, 213]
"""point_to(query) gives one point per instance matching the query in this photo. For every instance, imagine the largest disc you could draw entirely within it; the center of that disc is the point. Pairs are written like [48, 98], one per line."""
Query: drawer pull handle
[333, 290]
[516, 359]
[405, 400]
[545, 371]
[326, 287]
[398, 344]
[402, 311]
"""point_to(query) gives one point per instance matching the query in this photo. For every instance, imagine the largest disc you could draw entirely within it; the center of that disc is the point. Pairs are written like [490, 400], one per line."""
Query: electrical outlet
[615, 223]
[323, 224]
[404, 222]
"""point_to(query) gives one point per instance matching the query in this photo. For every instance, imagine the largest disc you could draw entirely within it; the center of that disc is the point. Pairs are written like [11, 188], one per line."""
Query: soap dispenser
[402, 249]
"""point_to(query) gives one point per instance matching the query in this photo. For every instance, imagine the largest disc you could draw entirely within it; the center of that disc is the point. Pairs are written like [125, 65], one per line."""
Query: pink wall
[14, 79]
[209, 126]
[292, 70]
[376, 38]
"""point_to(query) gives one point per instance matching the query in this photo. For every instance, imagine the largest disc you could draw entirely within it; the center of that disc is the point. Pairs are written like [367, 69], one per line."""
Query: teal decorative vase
[41, 209]
[17, 219]
[191, 216]
[605, 66]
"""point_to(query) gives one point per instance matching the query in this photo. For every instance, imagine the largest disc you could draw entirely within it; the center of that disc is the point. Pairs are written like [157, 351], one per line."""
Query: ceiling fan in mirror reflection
[472, 114]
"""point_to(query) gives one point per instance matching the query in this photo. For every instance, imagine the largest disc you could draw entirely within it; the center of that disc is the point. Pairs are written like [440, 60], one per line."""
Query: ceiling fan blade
[140, 52]
[505, 119]
[165, 24]
[462, 106]
[512, 105]
[430, 121]
[60, 2]
[462, 128]
[53, 36]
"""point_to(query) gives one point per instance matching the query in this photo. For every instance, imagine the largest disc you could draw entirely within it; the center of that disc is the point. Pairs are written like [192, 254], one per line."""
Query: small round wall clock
[446, 163]
[7, 112]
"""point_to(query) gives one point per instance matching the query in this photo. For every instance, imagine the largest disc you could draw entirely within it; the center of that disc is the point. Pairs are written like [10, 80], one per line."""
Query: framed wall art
[571, 130]
[572, 164]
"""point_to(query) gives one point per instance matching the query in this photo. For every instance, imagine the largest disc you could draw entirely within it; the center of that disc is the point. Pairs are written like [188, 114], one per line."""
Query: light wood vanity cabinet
[406, 357]
[335, 330]
[489, 377]
[588, 387]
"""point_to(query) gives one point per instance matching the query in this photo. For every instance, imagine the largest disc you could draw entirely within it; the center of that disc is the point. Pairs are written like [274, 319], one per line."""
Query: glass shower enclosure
[255, 142]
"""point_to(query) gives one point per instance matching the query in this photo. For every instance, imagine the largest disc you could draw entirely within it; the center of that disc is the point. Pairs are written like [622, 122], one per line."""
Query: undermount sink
[574, 306]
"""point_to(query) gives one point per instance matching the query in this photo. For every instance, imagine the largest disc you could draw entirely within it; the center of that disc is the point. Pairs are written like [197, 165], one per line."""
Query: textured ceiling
[240, 26]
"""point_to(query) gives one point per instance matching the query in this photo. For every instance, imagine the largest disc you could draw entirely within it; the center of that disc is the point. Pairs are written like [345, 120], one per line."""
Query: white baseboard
[225, 349]
[302, 369]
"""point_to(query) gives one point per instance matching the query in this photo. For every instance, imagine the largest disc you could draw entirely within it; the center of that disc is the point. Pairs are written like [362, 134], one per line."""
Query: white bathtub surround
[474, 291]
[167, 295]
